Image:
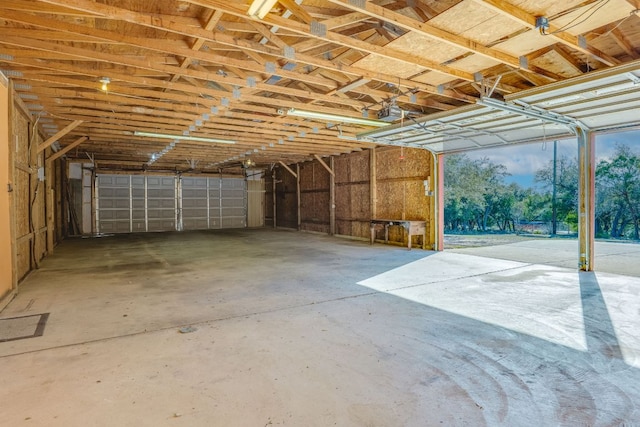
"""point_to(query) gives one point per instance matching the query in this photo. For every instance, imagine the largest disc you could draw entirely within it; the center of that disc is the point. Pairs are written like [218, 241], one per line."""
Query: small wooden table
[412, 227]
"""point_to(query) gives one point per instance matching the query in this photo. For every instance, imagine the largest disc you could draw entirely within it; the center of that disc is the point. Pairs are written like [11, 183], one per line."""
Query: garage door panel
[139, 226]
[159, 225]
[148, 203]
[194, 203]
[195, 224]
[137, 214]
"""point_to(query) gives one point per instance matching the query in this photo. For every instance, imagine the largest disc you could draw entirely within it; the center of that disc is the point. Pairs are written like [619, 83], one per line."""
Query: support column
[439, 201]
[273, 177]
[298, 194]
[373, 185]
[332, 197]
[586, 199]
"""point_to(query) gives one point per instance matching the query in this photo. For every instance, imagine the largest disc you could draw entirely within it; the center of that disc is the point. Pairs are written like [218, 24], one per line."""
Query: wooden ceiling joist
[206, 67]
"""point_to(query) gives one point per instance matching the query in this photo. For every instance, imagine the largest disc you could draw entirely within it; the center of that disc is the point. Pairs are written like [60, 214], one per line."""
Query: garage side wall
[398, 192]
[30, 184]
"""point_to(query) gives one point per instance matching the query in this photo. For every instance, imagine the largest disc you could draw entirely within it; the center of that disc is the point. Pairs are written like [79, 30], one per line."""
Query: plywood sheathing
[22, 190]
[353, 210]
[29, 192]
[286, 199]
[314, 197]
[399, 194]
[400, 186]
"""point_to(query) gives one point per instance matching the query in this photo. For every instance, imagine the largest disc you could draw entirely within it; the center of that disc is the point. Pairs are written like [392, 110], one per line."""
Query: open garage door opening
[521, 202]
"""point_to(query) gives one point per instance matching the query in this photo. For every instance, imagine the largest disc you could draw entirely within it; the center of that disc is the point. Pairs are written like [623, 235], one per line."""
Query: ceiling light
[105, 83]
[260, 8]
[184, 138]
[335, 117]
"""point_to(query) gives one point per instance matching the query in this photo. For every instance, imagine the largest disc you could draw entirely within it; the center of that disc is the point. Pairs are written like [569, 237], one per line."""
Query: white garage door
[213, 203]
[138, 203]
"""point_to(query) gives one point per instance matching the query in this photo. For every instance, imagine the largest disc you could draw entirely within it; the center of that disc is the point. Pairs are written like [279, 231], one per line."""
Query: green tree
[566, 188]
[473, 192]
[618, 189]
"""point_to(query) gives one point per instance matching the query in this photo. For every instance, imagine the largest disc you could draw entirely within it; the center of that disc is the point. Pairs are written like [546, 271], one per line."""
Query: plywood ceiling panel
[204, 67]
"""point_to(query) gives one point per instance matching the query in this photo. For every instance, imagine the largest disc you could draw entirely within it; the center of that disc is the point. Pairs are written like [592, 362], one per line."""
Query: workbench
[411, 227]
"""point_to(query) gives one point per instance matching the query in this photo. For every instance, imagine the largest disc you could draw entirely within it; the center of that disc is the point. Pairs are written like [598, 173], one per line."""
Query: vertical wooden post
[273, 176]
[34, 203]
[439, 199]
[373, 185]
[49, 207]
[298, 195]
[586, 198]
[11, 185]
[94, 206]
[332, 197]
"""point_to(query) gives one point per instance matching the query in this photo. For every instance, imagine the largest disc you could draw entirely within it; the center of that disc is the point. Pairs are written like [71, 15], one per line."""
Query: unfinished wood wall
[353, 207]
[400, 186]
[6, 178]
[399, 192]
[314, 197]
[30, 193]
[285, 198]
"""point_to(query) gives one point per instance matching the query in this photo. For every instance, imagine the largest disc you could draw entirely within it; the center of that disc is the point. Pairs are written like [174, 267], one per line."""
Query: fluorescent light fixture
[260, 8]
[335, 118]
[184, 138]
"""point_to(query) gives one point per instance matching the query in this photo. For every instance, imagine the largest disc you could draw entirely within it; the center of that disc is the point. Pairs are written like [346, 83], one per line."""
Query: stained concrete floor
[307, 330]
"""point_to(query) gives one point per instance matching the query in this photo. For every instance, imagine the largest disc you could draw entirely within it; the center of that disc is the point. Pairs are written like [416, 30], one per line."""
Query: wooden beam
[71, 126]
[289, 169]
[431, 31]
[297, 10]
[298, 197]
[525, 18]
[373, 184]
[329, 169]
[332, 197]
[273, 189]
[66, 149]
[624, 43]
[562, 51]
[168, 24]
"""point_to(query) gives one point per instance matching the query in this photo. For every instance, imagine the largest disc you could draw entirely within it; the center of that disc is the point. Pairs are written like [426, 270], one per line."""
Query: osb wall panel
[400, 186]
[314, 197]
[22, 190]
[353, 209]
[286, 199]
[400, 192]
[29, 193]
[268, 199]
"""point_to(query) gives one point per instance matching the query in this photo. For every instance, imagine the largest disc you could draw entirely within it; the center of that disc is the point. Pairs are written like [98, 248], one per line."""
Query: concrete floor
[307, 330]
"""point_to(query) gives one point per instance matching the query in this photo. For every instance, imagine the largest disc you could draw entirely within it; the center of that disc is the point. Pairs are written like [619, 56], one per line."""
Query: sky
[523, 160]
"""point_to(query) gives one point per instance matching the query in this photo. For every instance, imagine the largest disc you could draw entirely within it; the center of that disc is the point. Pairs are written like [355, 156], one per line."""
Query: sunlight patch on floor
[537, 300]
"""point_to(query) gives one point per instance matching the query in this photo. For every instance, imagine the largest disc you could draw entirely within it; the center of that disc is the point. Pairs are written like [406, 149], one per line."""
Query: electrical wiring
[633, 12]
[569, 25]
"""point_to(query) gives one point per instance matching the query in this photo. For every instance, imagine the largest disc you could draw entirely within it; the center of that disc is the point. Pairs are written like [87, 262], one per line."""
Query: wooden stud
[273, 177]
[71, 126]
[289, 169]
[373, 186]
[298, 198]
[68, 148]
[439, 201]
[332, 196]
[324, 165]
